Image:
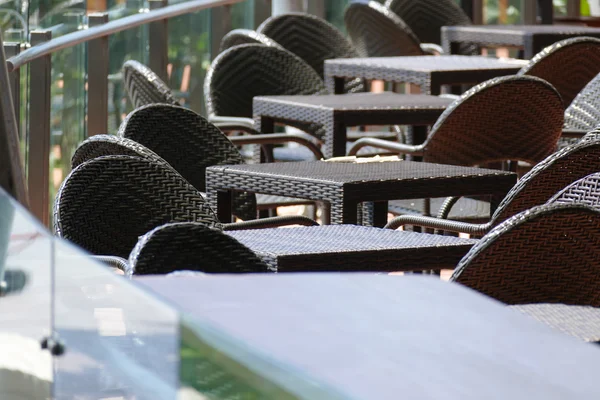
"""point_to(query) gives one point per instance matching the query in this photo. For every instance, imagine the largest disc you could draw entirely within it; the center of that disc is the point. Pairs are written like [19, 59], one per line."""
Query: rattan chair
[548, 254]
[376, 31]
[583, 191]
[513, 118]
[190, 144]
[584, 111]
[191, 246]
[312, 39]
[426, 18]
[537, 186]
[568, 65]
[237, 37]
[106, 203]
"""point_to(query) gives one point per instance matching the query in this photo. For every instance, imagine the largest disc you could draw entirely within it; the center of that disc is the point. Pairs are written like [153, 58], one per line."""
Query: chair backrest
[194, 247]
[426, 17]
[507, 118]
[376, 31]
[309, 37]
[568, 65]
[583, 191]
[237, 37]
[106, 203]
[189, 143]
[110, 145]
[243, 72]
[144, 86]
[548, 254]
[584, 111]
[550, 176]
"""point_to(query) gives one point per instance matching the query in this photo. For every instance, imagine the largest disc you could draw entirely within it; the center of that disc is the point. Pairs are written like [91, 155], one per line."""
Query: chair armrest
[234, 124]
[280, 138]
[574, 133]
[385, 145]
[273, 222]
[432, 48]
[437, 223]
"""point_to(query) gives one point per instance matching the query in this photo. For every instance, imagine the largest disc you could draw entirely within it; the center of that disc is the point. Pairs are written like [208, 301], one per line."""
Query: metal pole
[159, 42]
[38, 171]
[546, 11]
[529, 12]
[286, 6]
[12, 176]
[220, 24]
[262, 11]
[573, 8]
[97, 83]
[11, 50]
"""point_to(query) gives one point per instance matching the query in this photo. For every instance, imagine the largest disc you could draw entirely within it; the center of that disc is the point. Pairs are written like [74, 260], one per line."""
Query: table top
[356, 173]
[428, 64]
[352, 247]
[358, 101]
[579, 321]
[364, 336]
[523, 29]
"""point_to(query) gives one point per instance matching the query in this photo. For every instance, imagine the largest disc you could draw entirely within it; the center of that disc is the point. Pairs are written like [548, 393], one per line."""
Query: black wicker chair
[191, 246]
[237, 37]
[534, 188]
[376, 31]
[106, 203]
[583, 113]
[508, 118]
[426, 18]
[583, 191]
[548, 254]
[312, 39]
[190, 144]
[568, 65]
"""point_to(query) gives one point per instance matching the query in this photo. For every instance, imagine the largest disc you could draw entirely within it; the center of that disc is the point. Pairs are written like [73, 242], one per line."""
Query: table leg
[266, 125]
[338, 85]
[338, 144]
[349, 213]
[380, 211]
[454, 47]
[224, 201]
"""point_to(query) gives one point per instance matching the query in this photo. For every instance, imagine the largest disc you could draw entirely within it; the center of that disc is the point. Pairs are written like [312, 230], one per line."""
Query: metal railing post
[38, 170]
[159, 42]
[573, 8]
[12, 49]
[97, 79]
[220, 24]
[546, 11]
[12, 176]
[262, 11]
[529, 12]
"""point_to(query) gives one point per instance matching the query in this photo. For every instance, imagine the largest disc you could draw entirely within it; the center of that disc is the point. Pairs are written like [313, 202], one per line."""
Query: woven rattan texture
[583, 191]
[579, 321]
[114, 262]
[110, 145]
[194, 247]
[426, 71]
[144, 86]
[507, 118]
[106, 203]
[312, 39]
[237, 37]
[189, 143]
[568, 65]
[375, 31]
[550, 176]
[548, 254]
[351, 247]
[426, 17]
[243, 72]
[584, 111]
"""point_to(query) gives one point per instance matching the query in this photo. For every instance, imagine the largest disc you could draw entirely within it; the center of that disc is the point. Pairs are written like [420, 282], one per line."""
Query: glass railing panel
[131, 44]
[189, 57]
[121, 342]
[67, 112]
[25, 304]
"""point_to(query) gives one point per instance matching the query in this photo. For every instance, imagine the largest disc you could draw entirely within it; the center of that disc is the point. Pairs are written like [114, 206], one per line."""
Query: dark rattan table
[337, 112]
[344, 185]
[531, 38]
[579, 321]
[353, 248]
[429, 72]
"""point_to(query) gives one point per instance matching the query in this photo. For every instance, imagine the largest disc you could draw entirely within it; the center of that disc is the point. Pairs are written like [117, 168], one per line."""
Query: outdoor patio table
[344, 185]
[367, 336]
[429, 72]
[353, 248]
[531, 38]
[337, 112]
